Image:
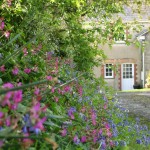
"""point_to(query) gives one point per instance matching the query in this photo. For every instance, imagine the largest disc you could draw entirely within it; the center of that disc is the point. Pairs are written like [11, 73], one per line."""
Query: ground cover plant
[47, 98]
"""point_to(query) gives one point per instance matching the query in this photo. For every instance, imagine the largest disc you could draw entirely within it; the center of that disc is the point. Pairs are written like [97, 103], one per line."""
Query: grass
[143, 120]
[136, 90]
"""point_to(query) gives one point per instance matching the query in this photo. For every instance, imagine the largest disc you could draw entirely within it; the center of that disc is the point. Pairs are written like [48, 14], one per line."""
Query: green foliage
[147, 85]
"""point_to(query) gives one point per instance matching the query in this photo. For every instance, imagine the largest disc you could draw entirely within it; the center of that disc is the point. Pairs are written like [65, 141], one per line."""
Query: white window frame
[105, 67]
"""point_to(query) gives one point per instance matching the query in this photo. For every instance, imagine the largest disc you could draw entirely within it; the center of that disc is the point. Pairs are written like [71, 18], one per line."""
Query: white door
[127, 76]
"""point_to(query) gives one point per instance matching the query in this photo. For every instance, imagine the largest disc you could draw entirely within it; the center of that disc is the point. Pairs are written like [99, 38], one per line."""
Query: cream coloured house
[128, 65]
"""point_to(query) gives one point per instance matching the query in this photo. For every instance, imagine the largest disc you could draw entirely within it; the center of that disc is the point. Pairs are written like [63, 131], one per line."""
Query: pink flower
[76, 140]
[109, 134]
[64, 132]
[83, 109]
[111, 143]
[8, 121]
[7, 34]
[14, 106]
[107, 126]
[27, 141]
[53, 90]
[100, 131]
[49, 78]
[94, 131]
[25, 51]
[36, 107]
[39, 124]
[93, 118]
[95, 139]
[72, 116]
[2, 68]
[35, 68]
[80, 91]
[56, 99]
[8, 85]
[6, 99]
[1, 114]
[9, 2]
[44, 108]
[27, 70]
[1, 143]
[15, 71]
[36, 91]
[2, 25]
[17, 96]
[83, 139]
[67, 88]
[19, 84]
[105, 106]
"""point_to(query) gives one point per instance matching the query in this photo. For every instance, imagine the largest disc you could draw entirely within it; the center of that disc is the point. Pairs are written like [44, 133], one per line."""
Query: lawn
[137, 90]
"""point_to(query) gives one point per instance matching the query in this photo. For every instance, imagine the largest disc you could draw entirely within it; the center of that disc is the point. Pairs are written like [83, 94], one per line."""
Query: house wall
[147, 55]
[119, 54]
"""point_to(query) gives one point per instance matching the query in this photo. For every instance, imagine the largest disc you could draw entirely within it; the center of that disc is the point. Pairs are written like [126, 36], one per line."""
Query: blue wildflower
[116, 143]
[123, 143]
[139, 141]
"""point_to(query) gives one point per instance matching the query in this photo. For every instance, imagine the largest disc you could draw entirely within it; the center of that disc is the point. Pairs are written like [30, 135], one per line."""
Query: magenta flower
[64, 132]
[36, 107]
[71, 111]
[2, 25]
[93, 117]
[67, 88]
[39, 124]
[8, 95]
[35, 110]
[6, 99]
[8, 85]
[15, 71]
[76, 140]
[107, 126]
[100, 131]
[2, 68]
[7, 34]
[80, 91]
[1, 114]
[17, 96]
[14, 106]
[83, 139]
[27, 70]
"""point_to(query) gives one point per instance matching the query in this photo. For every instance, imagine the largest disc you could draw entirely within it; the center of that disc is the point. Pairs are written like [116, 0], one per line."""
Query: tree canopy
[60, 26]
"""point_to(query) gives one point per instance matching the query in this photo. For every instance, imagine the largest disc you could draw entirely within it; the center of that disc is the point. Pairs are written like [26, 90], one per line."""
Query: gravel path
[136, 103]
